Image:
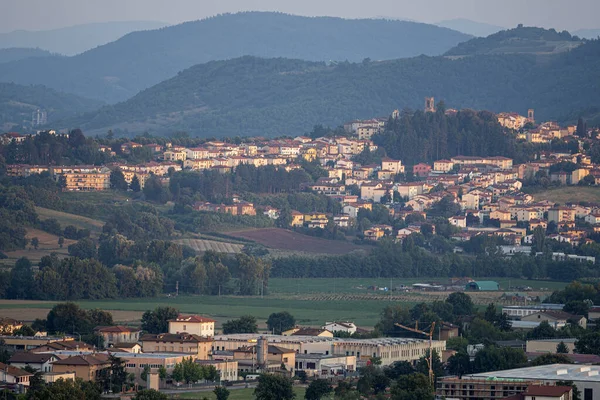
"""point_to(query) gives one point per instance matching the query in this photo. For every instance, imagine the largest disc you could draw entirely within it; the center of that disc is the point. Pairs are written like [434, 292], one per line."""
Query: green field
[311, 301]
[234, 394]
[566, 194]
[94, 225]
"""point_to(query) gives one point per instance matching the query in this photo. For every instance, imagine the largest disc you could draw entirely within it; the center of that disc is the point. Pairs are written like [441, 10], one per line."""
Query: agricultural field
[566, 194]
[311, 301]
[94, 225]
[283, 239]
[202, 245]
[48, 244]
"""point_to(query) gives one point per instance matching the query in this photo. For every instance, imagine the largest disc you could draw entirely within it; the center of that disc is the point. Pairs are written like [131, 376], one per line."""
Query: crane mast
[430, 335]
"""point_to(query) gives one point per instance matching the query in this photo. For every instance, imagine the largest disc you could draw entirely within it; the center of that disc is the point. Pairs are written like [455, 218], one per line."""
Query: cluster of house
[313, 350]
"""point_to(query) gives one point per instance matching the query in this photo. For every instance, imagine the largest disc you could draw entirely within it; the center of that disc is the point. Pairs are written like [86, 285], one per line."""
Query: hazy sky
[47, 14]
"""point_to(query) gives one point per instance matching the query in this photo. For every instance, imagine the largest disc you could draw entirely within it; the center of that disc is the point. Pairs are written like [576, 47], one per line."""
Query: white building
[192, 324]
[347, 327]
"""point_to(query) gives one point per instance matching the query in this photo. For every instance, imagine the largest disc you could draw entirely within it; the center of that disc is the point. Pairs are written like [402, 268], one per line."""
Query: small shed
[482, 286]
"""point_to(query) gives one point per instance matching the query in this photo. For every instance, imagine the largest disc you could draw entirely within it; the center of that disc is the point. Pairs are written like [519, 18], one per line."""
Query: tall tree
[135, 184]
[462, 303]
[562, 348]
[157, 321]
[280, 322]
[245, 324]
[318, 389]
[117, 180]
[274, 387]
[21, 280]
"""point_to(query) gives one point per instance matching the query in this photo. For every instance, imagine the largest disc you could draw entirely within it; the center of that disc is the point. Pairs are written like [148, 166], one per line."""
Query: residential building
[192, 324]
[87, 181]
[443, 166]
[561, 214]
[460, 221]
[9, 325]
[346, 327]
[177, 343]
[557, 319]
[85, 366]
[421, 169]
[388, 164]
[14, 375]
[39, 362]
[117, 334]
[312, 332]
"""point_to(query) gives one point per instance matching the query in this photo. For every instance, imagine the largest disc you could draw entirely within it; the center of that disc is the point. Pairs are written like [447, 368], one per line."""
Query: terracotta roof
[23, 357]
[550, 391]
[309, 332]
[96, 359]
[115, 329]
[125, 345]
[171, 337]
[14, 371]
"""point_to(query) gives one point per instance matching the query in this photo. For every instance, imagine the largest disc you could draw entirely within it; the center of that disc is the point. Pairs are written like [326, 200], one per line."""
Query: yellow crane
[430, 335]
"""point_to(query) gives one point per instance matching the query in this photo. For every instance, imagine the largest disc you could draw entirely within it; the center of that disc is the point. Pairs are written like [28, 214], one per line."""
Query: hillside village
[485, 192]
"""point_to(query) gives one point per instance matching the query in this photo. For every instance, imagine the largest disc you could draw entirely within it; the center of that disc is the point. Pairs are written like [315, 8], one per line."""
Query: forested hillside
[17, 102]
[254, 96]
[18, 53]
[521, 40]
[419, 137]
[118, 70]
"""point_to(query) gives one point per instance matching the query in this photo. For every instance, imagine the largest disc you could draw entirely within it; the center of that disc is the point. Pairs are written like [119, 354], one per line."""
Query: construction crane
[430, 334]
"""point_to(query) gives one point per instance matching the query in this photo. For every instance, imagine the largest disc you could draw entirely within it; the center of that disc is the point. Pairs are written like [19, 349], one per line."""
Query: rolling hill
[18, 53]
[118, 70]
[255, 96]
[520, 40]
[75, 39]
[17, 102]
[478, 29]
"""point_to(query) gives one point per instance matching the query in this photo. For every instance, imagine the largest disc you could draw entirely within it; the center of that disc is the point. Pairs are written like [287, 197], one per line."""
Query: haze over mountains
[119, 70]
[474, 28]
[18, 53]
[256, 96]
[75, 39]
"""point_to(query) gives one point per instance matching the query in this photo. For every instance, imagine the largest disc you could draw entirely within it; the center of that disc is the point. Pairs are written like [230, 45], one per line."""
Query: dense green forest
[420, 136]
[268, 97]
[17, 102]
[142, 59]
[519, 40]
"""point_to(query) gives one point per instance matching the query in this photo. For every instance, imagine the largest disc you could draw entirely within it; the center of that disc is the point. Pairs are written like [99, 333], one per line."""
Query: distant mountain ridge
[17, 102]
[119, 70]
[520, 40]
[475, 28]
[252, 96]
[18, 53]
[75, 39]
[587, 33]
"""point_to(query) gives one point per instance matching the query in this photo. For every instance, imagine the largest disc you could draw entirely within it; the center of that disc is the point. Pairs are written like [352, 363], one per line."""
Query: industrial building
[585, 377]
[389, 350]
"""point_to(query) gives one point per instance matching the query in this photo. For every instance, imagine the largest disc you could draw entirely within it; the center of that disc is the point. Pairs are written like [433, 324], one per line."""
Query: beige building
[548, 345]
[177, 343]
[228, 369]
[10, 374]
[118, 334]
[388, 349]
[173, 155]
[443, 166]
[561, 214]
[387, 164]
[193, 324]
[51, 377]
[87, 181]
[85, 366]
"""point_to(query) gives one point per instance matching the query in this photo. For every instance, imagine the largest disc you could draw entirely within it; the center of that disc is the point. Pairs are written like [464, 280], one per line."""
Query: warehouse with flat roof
[585, 377]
